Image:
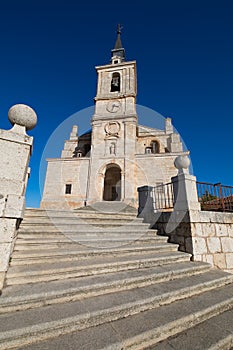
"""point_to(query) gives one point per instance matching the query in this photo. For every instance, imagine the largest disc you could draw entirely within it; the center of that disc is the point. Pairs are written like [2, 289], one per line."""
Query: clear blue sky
[184, 54]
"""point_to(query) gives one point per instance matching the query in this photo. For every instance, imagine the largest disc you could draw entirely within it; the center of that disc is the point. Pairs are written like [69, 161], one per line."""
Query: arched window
[155, 147]
[116, 82]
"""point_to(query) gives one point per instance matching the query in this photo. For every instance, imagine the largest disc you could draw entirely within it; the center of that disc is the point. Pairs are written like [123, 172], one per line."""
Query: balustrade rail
[163, 196]
[215, 197]
[160, 197]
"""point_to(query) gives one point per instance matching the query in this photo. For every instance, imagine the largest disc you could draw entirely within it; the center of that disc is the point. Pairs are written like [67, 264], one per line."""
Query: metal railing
[215, 197]
[163, 196]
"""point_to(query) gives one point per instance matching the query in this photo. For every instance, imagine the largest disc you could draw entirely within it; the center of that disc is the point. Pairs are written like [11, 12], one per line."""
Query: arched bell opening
[112, 183]
[116, 82]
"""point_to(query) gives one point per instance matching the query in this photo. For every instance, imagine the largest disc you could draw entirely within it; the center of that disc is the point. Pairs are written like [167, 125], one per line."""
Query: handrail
[215, 197]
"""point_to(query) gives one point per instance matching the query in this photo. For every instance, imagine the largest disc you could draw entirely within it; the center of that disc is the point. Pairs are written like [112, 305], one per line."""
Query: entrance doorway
[112, 183]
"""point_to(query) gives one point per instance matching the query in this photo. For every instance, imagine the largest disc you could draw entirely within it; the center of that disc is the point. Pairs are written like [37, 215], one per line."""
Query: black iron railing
[215, 197]
[163, 196]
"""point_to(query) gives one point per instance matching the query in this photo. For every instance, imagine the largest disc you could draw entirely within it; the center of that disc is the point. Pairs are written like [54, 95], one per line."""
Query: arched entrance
[112, 183]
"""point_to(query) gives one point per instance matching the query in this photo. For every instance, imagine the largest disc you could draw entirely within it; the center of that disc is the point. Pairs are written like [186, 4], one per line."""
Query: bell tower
[117, 86]
[114, 125]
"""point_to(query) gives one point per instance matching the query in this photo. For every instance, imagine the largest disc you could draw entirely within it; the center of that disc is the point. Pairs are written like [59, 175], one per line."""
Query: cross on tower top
[119, 28]
[118, 50]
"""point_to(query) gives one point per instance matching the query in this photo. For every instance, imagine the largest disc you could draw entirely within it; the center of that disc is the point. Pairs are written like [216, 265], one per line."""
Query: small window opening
[148, 150]
[115, 83]
[68, 189]
[78, 152]
[115, 62]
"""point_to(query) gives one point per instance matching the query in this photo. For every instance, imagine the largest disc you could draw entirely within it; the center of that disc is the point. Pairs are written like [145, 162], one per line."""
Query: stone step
[213, 334]
[21, 272]
[208, 335]
[82, 251]
[78, 213]
[102, 213]
[81, 222]
[146, 329]
[88, 219]
[89, 236]
[109, 207]
[37, 244]
[94, 233]
[84, 226]
[79, 237]
[133, 314]
[101, 234]
[41, 294]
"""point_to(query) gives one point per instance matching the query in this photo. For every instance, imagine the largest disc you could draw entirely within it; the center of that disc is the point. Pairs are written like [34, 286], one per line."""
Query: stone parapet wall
[15, 151]
[207, 235]
[212, 239]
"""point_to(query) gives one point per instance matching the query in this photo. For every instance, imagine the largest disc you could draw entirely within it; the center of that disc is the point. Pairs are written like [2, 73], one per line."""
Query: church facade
[118, 155]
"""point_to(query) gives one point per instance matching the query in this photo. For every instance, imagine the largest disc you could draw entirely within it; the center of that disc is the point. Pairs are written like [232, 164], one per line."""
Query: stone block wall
[212, 239]
[61, 171]
[207, 235]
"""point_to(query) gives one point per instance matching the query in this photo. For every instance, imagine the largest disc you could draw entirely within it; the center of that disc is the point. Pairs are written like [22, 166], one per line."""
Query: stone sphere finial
[22, 115]
[182, 162]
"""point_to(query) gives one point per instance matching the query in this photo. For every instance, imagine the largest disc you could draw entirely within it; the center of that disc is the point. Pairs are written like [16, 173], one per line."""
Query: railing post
[184, 187]
[145, 198]
[221, 197]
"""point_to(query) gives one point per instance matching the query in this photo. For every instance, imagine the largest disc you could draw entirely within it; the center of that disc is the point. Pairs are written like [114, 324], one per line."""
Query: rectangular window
[68, 189]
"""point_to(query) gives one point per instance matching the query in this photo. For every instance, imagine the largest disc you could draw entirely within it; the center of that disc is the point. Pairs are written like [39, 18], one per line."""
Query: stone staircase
[99, 278]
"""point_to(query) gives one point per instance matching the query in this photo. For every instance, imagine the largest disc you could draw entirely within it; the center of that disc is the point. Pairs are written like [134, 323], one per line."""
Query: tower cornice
[114, 67]
[116, 97]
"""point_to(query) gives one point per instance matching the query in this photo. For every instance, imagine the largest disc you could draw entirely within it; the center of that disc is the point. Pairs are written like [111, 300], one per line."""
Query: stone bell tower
[114, 126]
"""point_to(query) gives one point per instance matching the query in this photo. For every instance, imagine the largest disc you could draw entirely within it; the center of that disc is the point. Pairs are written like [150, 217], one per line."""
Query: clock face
[113, 106]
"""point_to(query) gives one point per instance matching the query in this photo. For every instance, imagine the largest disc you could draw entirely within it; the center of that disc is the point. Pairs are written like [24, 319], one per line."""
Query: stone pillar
[145, 197]
[184, 186]
[130, 189]
[168, 126]
[186, 207]
[15, 151]
[71, 144]
[122, 185]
